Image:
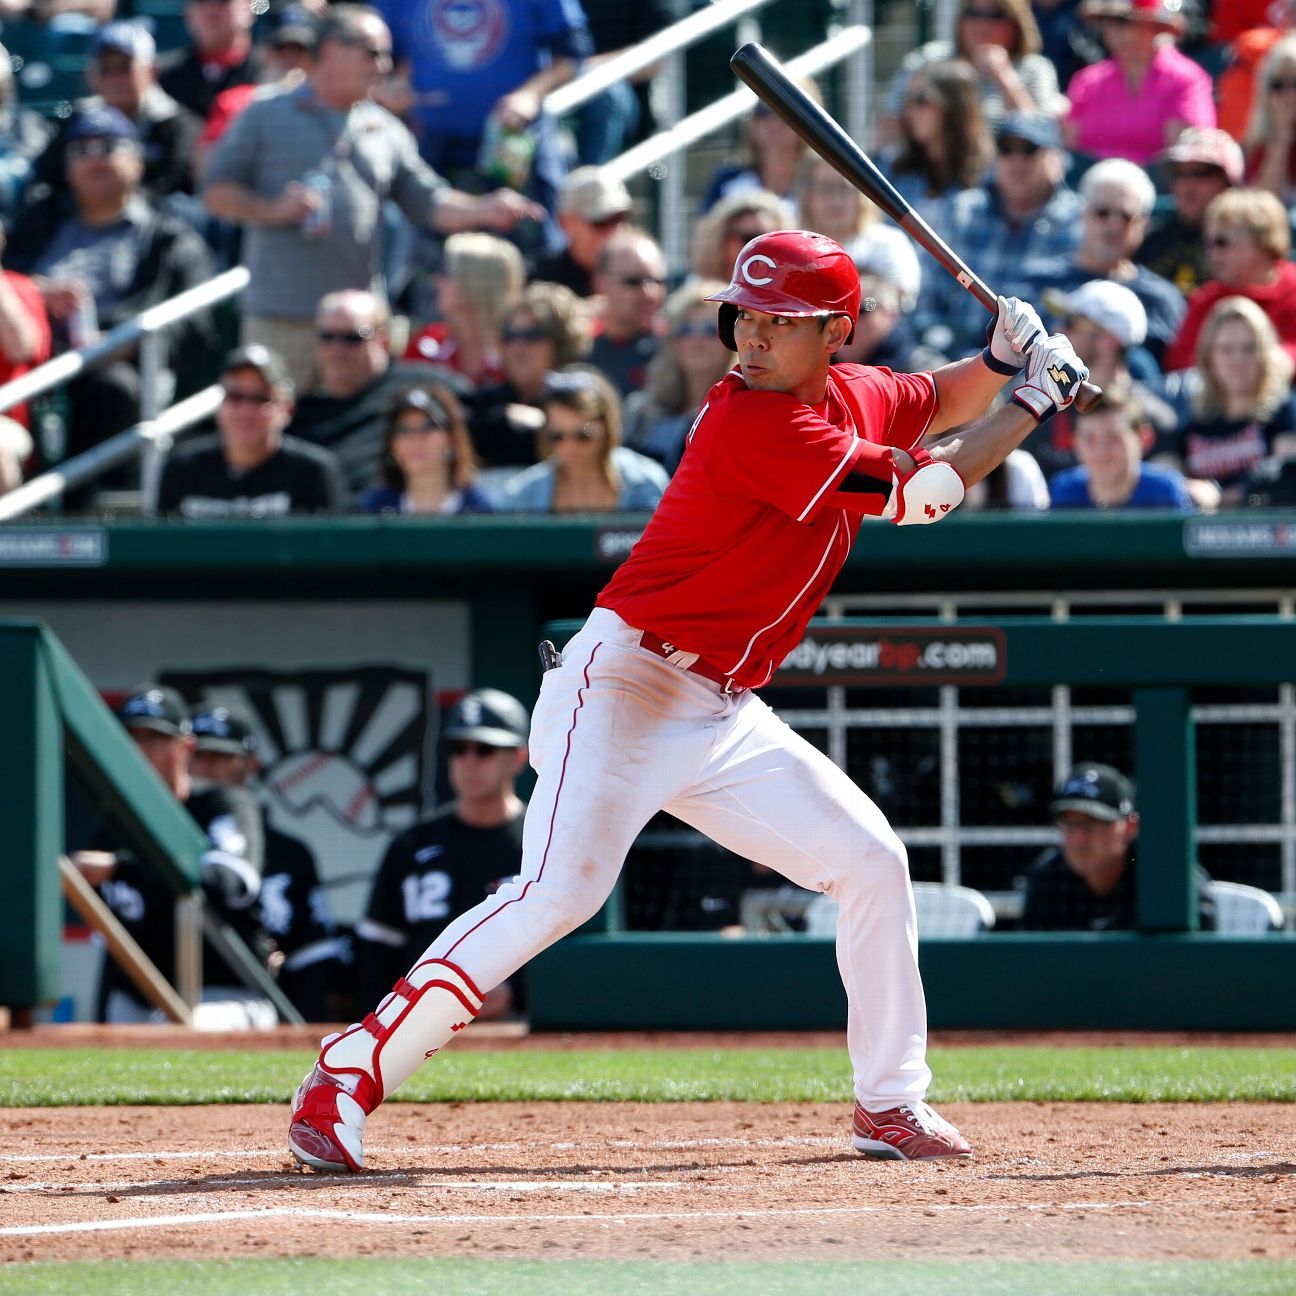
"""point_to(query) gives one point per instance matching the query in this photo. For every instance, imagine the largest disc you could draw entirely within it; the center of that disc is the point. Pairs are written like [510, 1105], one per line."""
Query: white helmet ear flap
[930, 492]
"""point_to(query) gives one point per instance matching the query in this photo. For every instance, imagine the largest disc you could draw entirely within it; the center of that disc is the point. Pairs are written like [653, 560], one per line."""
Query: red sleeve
[34, 305]
[226, 106]
[775, 448]
[1182, 352]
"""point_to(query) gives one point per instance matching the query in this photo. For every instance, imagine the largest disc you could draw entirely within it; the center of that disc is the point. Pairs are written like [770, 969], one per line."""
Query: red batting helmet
[790, 272]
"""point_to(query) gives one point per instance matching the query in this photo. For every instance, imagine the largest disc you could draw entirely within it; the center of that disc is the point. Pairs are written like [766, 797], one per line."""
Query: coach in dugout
[1087, 882]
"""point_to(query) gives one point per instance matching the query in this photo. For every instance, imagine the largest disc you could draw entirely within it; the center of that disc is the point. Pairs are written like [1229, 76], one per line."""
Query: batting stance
[652, 708]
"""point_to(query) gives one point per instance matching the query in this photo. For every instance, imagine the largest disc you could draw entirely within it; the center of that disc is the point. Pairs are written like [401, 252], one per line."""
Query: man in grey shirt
[306, 171]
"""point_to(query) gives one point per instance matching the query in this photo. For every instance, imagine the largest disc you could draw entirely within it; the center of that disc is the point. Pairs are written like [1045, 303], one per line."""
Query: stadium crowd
[456, 307]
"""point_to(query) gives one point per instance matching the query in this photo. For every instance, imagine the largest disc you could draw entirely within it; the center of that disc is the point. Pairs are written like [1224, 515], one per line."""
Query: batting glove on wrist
[1015, 327]
[1053, 376]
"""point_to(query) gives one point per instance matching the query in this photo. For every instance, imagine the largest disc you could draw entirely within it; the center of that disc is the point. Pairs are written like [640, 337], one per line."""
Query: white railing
[151, 436]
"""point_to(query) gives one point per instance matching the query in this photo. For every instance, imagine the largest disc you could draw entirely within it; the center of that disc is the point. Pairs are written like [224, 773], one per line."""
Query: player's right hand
[1052, 379]
[1015, 328]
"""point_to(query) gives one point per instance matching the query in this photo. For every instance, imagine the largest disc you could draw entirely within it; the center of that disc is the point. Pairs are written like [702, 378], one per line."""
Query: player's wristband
[1035, 402]
[991, 361]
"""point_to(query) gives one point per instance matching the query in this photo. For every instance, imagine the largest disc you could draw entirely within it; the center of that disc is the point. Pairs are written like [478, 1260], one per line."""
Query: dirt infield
[668, 1181]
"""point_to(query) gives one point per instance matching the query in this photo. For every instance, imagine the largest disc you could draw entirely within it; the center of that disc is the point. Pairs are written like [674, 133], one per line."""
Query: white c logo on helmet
[758, 281]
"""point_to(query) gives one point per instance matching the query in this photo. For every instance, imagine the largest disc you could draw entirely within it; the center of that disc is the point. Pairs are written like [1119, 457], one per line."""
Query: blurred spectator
[122, 74]
[25, 340]
[479, 281]
[830, 204]
[474, 84]
[53, 11]
[24, 133]
[592, 206]
[1245, 412]
[588, 469]
[111, 256]
[1110, 443]
[770, 159]
[1138, 101]
[220, 54]
[547, 328]
[1118, 198]
[689, 362]
[1001, 40]
[16, 448]
[428, 460]
[884, 333]
[1088, 883]
[630, 279]
[249, 468]
[1198, 165]
[944, 145]
[1017, 483]
[307, 172]
[1247, 50]
[306, 952]
[1247, 241]
[451, 860]
[1270, 139]
[1105, 323]
[730, 225]
[1271, 484]
[346, 411]
[1023, 211]
[606, 125]
[158, 721]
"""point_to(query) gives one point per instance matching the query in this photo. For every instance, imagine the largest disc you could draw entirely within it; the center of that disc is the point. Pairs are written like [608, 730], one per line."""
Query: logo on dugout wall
[860, 655]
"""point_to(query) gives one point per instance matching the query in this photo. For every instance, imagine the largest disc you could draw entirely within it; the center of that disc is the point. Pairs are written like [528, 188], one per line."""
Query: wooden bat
[772, 85]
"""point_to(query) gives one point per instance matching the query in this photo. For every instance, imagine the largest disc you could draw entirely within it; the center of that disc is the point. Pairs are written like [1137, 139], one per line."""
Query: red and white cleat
[327, 1127]
[910, 1132]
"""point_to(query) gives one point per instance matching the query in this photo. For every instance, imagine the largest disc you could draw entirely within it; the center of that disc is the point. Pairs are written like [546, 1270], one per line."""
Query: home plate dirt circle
[666, 1181]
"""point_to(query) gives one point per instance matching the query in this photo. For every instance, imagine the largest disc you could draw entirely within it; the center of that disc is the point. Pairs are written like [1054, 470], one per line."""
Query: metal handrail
[677, 36]
[72, 363]
[154, 434]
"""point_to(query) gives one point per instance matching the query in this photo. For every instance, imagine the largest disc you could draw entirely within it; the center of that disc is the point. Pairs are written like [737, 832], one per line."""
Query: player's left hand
[1009, 335]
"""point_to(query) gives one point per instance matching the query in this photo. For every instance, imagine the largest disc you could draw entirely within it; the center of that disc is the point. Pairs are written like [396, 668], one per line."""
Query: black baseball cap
[269, 364]
[218, 729]
[102, 122]
[1100, 791]
[489, 716]
[158, 708]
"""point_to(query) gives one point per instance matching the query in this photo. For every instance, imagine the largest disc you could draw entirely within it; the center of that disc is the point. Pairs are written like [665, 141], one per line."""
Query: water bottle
[506, 155]
[315, 224]
[83, 323]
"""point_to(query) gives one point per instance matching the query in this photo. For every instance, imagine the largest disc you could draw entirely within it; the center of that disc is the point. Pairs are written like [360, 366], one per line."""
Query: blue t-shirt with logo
[1158, 487]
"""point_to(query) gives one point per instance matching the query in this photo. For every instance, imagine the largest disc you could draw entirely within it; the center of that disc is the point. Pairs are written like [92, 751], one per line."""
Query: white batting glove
[1053, 376]
[1015, 327]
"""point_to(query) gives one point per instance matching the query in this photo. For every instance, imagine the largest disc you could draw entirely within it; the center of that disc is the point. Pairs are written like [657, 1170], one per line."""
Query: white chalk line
[186, 1187]
[389, 1217]
[423, 1149]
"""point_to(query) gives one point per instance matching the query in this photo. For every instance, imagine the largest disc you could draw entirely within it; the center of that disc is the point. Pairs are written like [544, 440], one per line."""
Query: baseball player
[651, 706]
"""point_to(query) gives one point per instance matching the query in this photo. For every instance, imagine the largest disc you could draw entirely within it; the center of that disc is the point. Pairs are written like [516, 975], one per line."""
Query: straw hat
[1165, 14]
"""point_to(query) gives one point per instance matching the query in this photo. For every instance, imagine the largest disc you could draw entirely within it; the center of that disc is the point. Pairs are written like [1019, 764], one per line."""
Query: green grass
[64, 1077]
[374, 1277]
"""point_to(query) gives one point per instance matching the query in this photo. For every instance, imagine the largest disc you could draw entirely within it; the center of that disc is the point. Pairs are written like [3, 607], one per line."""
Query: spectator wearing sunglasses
[428, 461]
[1024, 211]
[249, 469]
[1001, 40]
[730, 225]
[452, 859]
[689, 362]
[588, 470]
[630, 281]
[1270, 139]
[548, 327]
[1248, 239]
[1136, 102]
[1200, 164]
[592, 206]
[1118, 200]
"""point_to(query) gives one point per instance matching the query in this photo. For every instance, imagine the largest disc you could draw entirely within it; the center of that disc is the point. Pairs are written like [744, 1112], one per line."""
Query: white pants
[618, 734]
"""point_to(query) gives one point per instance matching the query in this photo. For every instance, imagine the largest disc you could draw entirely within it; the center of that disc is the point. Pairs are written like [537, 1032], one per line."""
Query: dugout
[1174, 634]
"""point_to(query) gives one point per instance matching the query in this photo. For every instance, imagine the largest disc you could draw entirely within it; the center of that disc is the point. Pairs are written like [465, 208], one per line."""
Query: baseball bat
[772, 85]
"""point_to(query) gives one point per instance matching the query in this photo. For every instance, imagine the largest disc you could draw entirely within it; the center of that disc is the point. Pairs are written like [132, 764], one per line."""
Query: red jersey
[33, 303]
[749, 536]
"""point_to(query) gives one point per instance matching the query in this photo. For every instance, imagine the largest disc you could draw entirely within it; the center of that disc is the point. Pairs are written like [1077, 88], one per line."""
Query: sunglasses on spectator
[1222, 241]
[98, 147]
[609, 222]
[922, 99]
[483, 751]
[219, 2]
[745, 235]
[586, 433]
[1106, 213]
[353, 40]
[417, 429]
[695, 328]
[234, 397]
[1280, 86]
[1198, 173]
[642, 281]
[1016, 148]
[352, 338]
[987, 15]
[523, 333]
